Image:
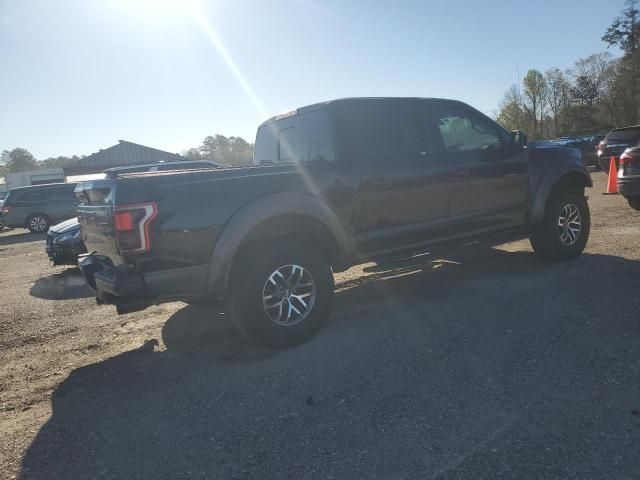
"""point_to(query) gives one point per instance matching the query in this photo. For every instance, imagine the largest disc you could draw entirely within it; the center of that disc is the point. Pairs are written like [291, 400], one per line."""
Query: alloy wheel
[38, 224]
[569, 224]
[288, 295]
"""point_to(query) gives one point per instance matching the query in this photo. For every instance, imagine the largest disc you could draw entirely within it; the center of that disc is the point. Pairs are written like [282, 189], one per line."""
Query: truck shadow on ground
[16, 238]
[65, 285]
[424, 367]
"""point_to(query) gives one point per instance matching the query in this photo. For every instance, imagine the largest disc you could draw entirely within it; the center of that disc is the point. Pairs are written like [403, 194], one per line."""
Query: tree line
[233, 151]
[228, 151]
[21, 160]
[598, 93]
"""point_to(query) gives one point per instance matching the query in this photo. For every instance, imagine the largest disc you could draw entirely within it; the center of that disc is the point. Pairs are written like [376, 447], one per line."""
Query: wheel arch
[572, 179]
[276, 216]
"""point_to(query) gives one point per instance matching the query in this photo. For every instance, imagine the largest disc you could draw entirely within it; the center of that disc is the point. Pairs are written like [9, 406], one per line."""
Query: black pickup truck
[334, 184]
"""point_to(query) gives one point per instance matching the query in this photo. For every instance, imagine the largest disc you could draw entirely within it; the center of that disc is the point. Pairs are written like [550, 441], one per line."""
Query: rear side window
[301, 138]
[31, 196]
[628, 135]
[66, 193]
[378, 133]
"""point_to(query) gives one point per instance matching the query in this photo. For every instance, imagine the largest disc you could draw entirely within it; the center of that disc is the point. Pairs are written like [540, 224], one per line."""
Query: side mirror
[520, 139]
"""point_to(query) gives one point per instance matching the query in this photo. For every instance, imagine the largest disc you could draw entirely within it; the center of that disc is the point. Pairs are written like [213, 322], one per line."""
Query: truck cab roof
[354, 100]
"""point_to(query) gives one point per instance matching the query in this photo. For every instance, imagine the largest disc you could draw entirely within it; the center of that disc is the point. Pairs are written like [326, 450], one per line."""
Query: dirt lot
[491, 364]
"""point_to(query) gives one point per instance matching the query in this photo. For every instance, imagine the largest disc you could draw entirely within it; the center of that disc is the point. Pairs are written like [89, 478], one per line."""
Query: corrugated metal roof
[126, 153]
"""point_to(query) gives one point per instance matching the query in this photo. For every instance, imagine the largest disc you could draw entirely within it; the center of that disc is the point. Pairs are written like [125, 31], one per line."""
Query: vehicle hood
[547, 149]
[66, 226]
[551, 143]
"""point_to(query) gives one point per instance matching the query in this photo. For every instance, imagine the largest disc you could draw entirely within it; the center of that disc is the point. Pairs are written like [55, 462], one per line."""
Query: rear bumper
[131, 291]
[629, 186]
[125, 290]
[10, 221]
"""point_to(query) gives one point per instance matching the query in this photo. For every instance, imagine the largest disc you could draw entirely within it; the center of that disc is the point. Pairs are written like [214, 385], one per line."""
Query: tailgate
[95, 214]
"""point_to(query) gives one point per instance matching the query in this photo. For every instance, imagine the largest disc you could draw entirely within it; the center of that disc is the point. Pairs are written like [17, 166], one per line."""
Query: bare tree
[557, 95]
[535, 93]
[511, 114]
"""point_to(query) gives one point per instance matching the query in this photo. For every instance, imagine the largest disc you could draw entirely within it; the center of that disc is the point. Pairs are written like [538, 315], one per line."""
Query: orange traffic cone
[612, 184]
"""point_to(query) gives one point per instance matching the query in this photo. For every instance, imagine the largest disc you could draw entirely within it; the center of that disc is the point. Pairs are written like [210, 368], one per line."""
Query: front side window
[463, 132]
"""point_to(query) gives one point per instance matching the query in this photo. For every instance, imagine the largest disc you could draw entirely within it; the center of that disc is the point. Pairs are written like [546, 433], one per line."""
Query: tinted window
[464, 133]
[291, 146]
[31, 196]
[66, 193]
[300, 138]
[378, 133]
[626, 135]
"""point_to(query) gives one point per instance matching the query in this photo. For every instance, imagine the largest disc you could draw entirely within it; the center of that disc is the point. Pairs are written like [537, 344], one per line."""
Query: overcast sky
[76, 76]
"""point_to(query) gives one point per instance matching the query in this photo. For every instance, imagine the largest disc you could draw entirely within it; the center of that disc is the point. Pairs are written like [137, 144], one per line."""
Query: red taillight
[124, 221]
[628, 158]
[5, 209]
[131, 224]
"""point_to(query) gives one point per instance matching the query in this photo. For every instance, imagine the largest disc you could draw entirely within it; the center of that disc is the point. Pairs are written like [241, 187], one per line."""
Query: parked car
[341, 183]
[615, 143]
[38, 207]
[629, 176]
[587, 144]
[64, 243]
[3, 195]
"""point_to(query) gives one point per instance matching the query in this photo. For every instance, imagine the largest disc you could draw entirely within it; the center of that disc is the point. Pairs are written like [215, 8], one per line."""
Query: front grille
[52, 249]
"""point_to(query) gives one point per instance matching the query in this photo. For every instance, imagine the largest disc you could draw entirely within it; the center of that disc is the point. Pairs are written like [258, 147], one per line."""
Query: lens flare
[208, 29]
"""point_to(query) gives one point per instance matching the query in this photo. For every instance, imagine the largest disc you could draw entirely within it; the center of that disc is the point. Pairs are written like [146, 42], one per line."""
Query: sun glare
[152, 10]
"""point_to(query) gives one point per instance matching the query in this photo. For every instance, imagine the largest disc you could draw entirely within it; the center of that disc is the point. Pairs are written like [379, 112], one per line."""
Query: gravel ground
[487, 364]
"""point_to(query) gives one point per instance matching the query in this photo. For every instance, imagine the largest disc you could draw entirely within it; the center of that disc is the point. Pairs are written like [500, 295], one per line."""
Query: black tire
[38, 223]
[634, 202]
[250, 282]
[548, 241]
[604, 166]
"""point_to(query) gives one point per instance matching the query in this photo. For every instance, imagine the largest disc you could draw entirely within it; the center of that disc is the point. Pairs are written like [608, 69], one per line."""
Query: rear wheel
[565, 229]
[634, 202]
[282, 296]
[38, 223]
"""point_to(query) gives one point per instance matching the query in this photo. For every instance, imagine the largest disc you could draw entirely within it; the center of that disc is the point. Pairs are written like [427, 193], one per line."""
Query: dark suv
[39, 207]
[615, 143]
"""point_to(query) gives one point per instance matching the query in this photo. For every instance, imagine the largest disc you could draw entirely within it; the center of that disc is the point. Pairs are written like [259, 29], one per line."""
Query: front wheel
[282, 296]
[565, 229]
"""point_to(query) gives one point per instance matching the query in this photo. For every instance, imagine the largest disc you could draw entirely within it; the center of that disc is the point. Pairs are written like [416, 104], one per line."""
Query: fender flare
[545, 187]
[259, 211]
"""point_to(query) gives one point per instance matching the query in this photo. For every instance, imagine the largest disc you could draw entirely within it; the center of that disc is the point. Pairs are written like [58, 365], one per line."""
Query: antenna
[519, 96]
[518, 75]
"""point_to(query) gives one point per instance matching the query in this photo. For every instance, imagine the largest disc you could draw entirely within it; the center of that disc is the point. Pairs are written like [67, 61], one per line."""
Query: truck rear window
[297, 139]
